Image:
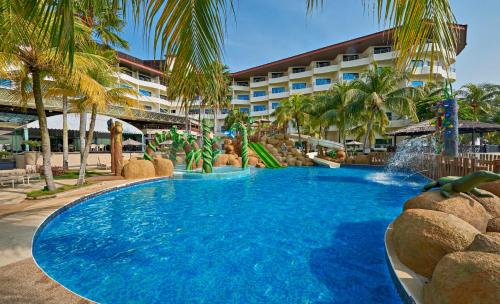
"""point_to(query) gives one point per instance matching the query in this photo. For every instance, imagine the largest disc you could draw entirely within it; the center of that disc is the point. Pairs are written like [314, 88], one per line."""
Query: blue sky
[268, 30]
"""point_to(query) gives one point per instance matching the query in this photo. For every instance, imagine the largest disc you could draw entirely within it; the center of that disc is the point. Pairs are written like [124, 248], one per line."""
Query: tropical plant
[315, 125]
[481, 99]
[292, 110]
[376, 92]
[425, 97]
[234, 116]
[216, 90]
[336, 112]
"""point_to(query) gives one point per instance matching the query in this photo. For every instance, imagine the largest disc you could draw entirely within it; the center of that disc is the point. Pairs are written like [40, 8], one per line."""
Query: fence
[436, 166]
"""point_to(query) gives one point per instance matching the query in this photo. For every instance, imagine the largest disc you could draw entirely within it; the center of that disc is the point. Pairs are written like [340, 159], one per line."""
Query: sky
[266, 30]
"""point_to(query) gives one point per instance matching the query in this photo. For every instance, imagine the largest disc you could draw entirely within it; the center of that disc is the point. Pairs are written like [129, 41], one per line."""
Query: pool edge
[75, 202]
[409, 284]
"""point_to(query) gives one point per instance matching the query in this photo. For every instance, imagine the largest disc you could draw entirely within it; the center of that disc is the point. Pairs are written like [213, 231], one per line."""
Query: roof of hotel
[464, 127]
[151, 66]
[356, 45]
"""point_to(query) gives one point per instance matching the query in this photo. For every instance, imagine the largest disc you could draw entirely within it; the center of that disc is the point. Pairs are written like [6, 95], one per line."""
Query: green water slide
[266, 157]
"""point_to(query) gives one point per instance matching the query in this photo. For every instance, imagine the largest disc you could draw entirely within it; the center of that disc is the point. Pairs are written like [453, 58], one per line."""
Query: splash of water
[407, 158]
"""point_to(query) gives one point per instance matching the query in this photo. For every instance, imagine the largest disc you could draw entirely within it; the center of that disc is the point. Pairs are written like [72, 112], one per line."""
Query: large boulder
[136, 169]
[490, 204]
[460, 205]
[493, 187]
[464, 278]
[163, 167]
[252, 161]
[487, 242]
[422, 237]
[234, 162]
[221, 160]
[493, 225]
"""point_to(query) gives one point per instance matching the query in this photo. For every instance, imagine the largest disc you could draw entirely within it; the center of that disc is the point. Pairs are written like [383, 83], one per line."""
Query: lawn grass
[73, 174]
[42, 192]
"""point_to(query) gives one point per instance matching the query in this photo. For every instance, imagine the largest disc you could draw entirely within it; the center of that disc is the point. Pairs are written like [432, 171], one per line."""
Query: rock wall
[281, 147]
[454, 242]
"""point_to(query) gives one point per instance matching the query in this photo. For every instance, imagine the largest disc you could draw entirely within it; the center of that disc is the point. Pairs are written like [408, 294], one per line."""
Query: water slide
[264, 155]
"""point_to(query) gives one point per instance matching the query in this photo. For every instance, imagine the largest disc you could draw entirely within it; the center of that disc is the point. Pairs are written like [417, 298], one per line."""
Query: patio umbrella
[131, 142]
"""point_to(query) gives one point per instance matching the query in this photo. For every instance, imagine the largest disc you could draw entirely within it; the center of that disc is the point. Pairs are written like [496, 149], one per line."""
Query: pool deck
[21, 281]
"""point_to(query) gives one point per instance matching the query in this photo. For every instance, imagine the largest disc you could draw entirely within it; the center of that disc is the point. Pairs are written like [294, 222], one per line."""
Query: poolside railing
[435, 166]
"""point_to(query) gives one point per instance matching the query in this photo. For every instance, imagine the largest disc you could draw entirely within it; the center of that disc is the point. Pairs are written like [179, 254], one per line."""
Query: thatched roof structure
[464, 127]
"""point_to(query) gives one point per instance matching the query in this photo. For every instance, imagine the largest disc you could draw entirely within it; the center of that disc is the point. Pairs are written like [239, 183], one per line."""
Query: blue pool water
[295, 235]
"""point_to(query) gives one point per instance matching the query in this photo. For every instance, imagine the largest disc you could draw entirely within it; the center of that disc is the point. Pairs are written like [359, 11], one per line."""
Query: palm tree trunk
[90, 136]
[83, 131]
[44, 131]
[368, 131]
[65, 134]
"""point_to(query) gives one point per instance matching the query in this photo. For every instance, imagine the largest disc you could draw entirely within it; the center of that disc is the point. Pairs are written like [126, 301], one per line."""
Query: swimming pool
[294, 235]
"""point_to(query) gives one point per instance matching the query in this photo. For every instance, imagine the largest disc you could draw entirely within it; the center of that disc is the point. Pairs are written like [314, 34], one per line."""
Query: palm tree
[480, 98]
[340, 95]
[233, 117]
[425, 97]
[315, 124]
[216, 89]
[377, 92]
[291, 110]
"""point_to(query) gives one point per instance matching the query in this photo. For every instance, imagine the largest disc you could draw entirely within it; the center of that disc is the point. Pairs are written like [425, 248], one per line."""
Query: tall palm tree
[376, 92]
[234, 116]
[216, 89]
[425, 97]
[480, 98]
[315, 106]
[292, 110]
[340, 95]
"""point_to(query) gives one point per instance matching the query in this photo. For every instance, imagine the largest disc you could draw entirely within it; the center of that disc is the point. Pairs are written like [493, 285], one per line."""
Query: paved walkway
[20, 279]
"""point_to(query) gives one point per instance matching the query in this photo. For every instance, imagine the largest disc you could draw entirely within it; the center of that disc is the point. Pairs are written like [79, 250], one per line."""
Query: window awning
[101, 124]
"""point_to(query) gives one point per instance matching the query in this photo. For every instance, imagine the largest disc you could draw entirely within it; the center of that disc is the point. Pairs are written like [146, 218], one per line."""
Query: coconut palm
[480, 98]
[217, 89]
[233, 117]
[376, 92]
[315, 124]
[292, 110]
[425, 97]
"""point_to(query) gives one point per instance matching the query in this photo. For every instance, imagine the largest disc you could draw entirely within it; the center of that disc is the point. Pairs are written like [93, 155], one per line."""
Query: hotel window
[417, 63]
[298, 70]
[350, 57]
[274, 105]
[208, 111]
[225, 111]
[194, 111]
[242, 83]
[144, 77]
[259, 79]
[173, 111]
[164, 111]
[259, 108]
[244, 110]
[389, 115]
[128, 72]
[259, 93]
[5, 83]
[278, 90]
[148, 108]
[299, 85]
[243, 97]
[381, 49]
[321, 64]
[417, 83]
[145, 92]
[323, 81]
[164, 97]
[350, 76]
[277, 75]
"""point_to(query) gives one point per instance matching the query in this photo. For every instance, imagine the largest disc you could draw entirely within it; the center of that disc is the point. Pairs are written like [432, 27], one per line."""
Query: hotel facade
[257, 91]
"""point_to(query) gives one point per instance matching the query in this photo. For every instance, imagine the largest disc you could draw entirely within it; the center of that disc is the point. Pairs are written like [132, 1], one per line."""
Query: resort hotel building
[257, 91]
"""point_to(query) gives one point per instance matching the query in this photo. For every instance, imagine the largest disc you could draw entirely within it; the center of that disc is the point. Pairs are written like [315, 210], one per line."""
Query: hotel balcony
[385, 56]
[259, 113]
[436, 69]
[321, 87]
[355, 63]
[259, 98]
[304, 74]
[327, 69]
[259, 84]
[240, 88]
[279, 95]
[307, 90]
[236, 101]
[143, 83]
[279, 79]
